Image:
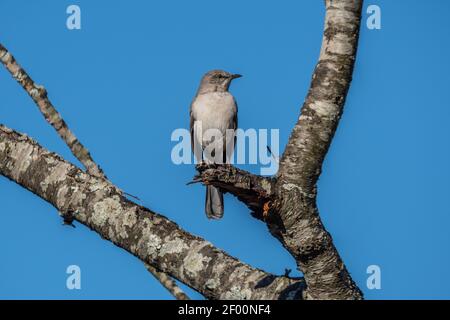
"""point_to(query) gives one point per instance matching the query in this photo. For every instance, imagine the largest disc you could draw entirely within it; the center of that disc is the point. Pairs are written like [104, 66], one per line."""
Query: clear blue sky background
[125, 81]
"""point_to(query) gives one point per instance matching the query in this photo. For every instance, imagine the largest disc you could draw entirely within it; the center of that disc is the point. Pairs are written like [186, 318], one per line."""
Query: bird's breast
[215, 110]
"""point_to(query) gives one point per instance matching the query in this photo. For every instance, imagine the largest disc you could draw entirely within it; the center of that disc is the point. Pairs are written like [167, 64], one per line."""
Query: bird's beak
[235, 76]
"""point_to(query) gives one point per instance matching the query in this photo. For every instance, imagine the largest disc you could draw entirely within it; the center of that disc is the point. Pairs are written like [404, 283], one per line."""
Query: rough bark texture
[293, 216]
[300, 166]
[253, 190]
[39, 95]
[149, 236]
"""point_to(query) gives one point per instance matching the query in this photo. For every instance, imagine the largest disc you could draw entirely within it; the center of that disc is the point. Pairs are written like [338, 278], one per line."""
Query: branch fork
[286, 203]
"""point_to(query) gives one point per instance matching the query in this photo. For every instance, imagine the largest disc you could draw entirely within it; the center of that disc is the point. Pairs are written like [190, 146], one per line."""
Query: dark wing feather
[233, 125]
[191, 126]
[235, 120]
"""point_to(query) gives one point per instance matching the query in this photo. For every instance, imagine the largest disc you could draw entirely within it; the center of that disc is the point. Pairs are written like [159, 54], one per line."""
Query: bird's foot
[287, 272]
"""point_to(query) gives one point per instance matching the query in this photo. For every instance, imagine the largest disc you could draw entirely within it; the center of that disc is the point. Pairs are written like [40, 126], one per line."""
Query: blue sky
[124, 82]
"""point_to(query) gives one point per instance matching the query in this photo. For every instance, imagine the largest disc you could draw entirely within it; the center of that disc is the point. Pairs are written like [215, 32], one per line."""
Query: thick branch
[300, 166]
[293, 216]
[149, 236]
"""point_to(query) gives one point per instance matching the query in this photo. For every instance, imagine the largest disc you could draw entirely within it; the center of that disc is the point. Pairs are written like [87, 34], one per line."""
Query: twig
[194, 181]
[273, 156]
[132, 196]
[168, 283]
[39, 95]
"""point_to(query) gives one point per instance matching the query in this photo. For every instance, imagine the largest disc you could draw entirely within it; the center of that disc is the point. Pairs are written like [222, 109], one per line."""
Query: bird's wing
[191, 126]
[230, 145]
[235, 121]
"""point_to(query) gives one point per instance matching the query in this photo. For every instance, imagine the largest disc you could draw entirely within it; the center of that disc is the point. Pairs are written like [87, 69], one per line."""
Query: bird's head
[217, 80]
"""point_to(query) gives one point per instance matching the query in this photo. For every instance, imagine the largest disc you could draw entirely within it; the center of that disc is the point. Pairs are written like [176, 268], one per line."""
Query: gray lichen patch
[94, 187]
[341, 44]
[57, 174]
[293, 187]
[212, 284]
[174, 246]
[129, 217]
[153, 245]
[324, 108]
[23, 159]
[77, 197]
[124, 222]
[267, 186]
[5, 56]
[105, 209]
[238, 273]
[61, 196]
[238, 293]
[194, 262]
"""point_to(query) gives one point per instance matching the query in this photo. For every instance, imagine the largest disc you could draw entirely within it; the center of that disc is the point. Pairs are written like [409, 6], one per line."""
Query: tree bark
[300, 166]
[253, 190]
[151, 237]
[287, 202]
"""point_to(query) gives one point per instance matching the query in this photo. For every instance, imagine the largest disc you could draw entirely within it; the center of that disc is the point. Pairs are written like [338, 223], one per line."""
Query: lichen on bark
[154, 239]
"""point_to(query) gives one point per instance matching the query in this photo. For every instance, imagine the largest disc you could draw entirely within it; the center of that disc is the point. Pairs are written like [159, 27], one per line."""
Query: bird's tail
[214, 203]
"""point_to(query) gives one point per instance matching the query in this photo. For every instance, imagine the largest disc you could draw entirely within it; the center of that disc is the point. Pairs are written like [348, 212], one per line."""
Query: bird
[214, 107]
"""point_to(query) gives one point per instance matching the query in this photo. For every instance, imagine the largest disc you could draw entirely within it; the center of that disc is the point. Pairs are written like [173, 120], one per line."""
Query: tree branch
[300, 166]
[168, 283]
[149, 236]
[39, 95]
[253, 190]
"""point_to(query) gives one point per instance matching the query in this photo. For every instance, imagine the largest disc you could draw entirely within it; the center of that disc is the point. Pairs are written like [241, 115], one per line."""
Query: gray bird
[214, 108]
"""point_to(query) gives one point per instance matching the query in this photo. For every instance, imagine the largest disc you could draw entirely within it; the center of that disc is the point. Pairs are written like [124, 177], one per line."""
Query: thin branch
[39, 95]
[151, 237]
[168, 283]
